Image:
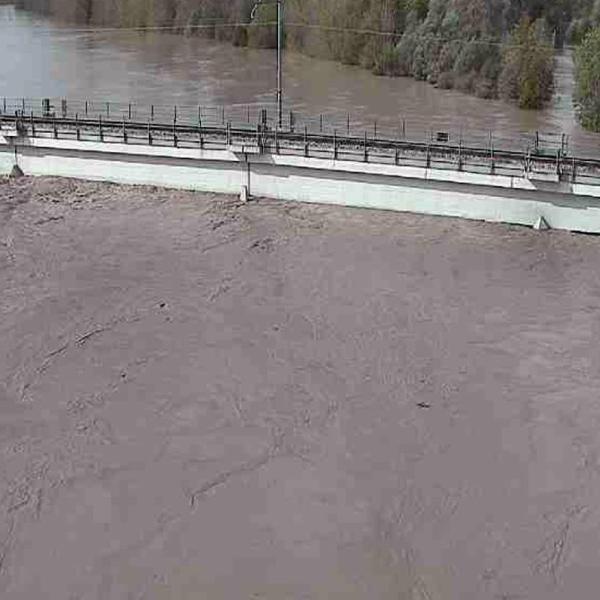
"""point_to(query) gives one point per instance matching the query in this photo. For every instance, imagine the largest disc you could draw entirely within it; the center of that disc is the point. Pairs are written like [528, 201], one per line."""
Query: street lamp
[279, 51]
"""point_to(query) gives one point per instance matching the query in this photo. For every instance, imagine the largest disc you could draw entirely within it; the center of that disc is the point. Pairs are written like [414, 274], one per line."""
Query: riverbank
[204, 398]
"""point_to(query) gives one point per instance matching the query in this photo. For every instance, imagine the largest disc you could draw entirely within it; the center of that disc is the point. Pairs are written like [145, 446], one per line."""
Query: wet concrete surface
[203, 399]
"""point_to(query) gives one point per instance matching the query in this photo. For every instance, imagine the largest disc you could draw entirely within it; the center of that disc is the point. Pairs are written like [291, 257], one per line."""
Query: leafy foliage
[527, 69]
[587, 96]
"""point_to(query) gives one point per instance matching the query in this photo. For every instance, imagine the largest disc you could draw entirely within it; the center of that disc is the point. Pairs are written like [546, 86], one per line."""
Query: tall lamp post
[279, 4]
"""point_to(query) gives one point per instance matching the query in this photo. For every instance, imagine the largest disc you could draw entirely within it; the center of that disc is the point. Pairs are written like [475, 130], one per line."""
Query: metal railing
[328, 136]
[294, 120]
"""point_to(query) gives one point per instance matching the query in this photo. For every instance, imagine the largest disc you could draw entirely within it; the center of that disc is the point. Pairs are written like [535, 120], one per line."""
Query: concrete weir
[249, 172]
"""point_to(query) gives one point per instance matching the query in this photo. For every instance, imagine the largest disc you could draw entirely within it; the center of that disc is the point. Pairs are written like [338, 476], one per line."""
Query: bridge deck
[554, 165]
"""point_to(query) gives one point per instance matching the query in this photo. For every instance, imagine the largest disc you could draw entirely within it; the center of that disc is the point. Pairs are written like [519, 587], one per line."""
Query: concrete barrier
[237, 170]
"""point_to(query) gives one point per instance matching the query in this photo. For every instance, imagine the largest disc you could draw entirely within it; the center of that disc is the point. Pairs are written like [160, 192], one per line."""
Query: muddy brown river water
[202, 399]
[268, 401]
[41, 58]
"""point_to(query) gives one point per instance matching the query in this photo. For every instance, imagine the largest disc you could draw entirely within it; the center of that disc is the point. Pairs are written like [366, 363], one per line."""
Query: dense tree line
[492, 48]
[587, 94]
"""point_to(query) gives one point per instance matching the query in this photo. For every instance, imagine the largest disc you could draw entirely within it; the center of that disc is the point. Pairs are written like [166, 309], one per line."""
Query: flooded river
[202, 398]
[41, 58]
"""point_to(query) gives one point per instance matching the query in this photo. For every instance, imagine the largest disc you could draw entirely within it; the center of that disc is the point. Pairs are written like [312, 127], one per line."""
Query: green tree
[527, 75]
[587, 94]
[420, 7]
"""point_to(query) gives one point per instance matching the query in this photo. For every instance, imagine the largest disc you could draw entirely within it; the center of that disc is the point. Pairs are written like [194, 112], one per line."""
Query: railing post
[527, 162]
[260, 141]
[348, 124]
[492, 162]
[366, 150]
[63, 108]
[54, 127]
[306, 141]
[175, 141]
[175, 114]
[77, 126]
[264, 119]
[375, 130]
[200, 139]
[108, 109]
[124, 131]
[86, 108]
[129, 111]
[100, 132]
[335, 145]
[321, 123]
[223, 115]
[152, 112]
[228, 133]
[32, 125]
[559, 164]
[149, 134]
